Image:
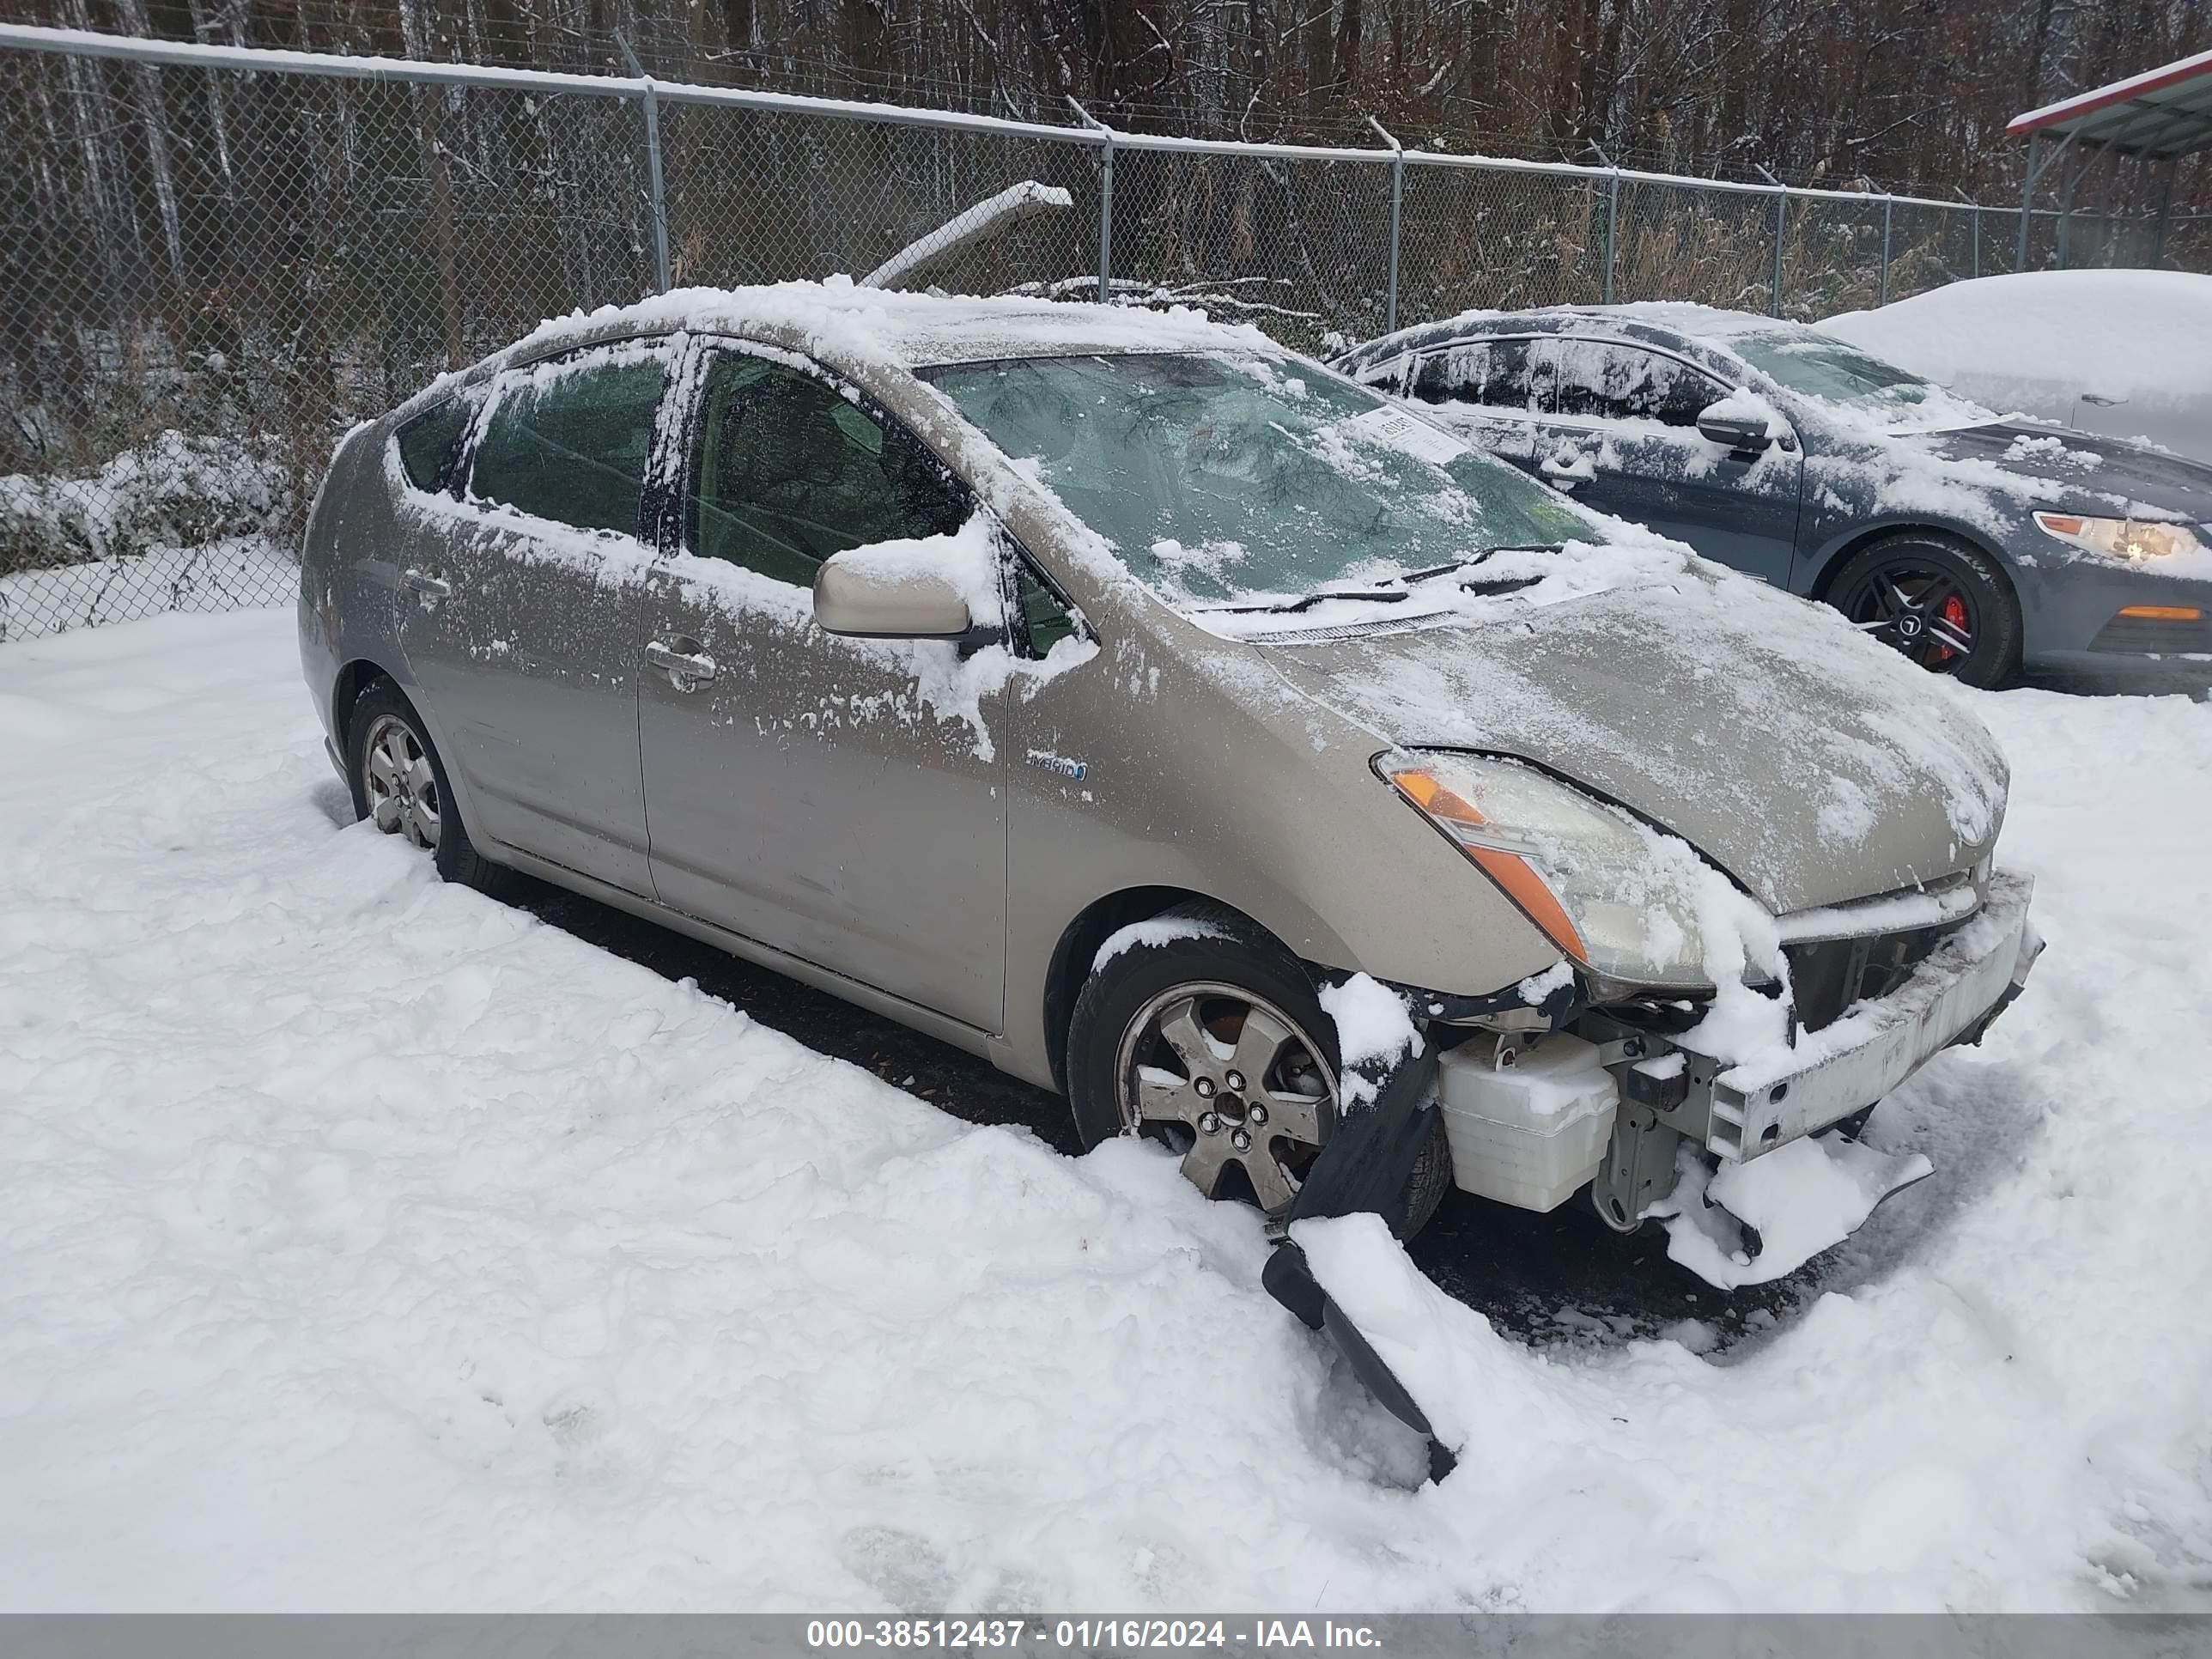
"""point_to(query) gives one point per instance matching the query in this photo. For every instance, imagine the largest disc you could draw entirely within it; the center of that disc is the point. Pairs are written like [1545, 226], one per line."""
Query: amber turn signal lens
[2163, 612]
[1512, 872]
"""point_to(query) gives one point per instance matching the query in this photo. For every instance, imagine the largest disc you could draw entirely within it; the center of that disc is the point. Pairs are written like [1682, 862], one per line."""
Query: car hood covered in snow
[2081, 465]
[1811, 765]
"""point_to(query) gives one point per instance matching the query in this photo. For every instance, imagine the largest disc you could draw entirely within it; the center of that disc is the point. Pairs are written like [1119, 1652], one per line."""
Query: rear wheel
[399, 785]
[1945, 605]
[1217, 1048]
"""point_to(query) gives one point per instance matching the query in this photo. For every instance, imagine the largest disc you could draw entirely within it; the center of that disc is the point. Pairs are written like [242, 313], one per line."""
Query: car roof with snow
[1707, 329]
[839, 320]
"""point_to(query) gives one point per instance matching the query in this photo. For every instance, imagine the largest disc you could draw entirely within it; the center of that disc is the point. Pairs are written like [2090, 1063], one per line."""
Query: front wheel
[1212, 1042]
[1947, 606]
[399, 785]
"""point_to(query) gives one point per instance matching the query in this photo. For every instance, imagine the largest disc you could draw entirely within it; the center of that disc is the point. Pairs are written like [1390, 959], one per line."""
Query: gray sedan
[1174, 722]
[1977, 545]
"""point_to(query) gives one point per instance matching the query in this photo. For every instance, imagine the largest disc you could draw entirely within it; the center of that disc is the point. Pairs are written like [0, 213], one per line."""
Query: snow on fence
[216, 258]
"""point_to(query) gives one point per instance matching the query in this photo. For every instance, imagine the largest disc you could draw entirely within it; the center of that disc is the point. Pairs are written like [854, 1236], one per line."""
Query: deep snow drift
[367, 1244]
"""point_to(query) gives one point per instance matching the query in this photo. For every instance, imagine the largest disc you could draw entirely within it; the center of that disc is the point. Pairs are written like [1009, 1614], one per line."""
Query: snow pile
[2043, 342]
[366, 1244]
[174, 491]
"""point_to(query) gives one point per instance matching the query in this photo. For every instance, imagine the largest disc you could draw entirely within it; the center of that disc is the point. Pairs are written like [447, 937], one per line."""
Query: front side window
[570, 440]
[784, 472]
[1227, 477]
[1606, 380]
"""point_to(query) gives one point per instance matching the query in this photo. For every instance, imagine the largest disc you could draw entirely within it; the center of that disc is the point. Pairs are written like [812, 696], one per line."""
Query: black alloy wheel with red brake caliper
[1943, 605]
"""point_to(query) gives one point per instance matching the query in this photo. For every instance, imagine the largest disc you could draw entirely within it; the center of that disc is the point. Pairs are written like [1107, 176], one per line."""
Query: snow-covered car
[2119, 354]
[1976, 544]
[1177, 723]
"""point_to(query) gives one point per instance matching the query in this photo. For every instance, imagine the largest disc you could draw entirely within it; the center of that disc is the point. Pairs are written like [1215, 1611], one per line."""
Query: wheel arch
[352, 679]
[1078, 942]
[1857, 542]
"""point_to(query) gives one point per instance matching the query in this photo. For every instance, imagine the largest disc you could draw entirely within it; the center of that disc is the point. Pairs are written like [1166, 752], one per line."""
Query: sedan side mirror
[1735, 428]
[877, 595]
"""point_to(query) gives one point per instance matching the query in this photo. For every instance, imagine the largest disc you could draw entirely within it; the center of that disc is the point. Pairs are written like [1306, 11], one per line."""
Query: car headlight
[1608, 891]
[2124, 539]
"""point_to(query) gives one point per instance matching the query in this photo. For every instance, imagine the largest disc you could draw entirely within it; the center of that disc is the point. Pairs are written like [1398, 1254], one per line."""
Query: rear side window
[1599, 380]
[429, 443]
[570, 441]
[1493, 374]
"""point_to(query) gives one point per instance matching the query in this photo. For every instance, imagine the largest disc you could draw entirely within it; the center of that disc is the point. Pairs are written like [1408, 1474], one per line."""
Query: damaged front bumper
[1744, 1109]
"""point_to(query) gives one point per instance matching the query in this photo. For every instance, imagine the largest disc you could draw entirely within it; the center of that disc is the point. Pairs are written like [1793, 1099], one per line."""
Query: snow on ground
[364, 1244]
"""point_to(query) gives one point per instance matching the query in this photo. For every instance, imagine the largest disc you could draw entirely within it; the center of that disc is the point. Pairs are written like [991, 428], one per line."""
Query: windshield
[1241, 479]
[1821, 366]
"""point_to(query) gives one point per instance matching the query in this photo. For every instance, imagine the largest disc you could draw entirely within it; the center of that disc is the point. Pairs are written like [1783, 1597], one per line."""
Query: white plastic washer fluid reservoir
[1532, 1133]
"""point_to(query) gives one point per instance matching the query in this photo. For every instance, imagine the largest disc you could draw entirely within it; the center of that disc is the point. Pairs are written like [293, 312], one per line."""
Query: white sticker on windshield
[1407, 436]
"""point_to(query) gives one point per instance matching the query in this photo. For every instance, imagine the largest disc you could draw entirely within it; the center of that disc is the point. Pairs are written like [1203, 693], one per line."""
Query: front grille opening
[1827, 976]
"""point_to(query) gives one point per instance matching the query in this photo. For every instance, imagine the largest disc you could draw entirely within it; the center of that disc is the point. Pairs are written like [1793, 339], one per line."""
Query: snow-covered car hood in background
[2036, 341]
[2085, 470]
[1811, 764]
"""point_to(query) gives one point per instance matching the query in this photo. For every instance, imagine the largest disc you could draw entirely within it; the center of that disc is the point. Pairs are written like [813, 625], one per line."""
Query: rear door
[1623, 434]
[840, 800]
[523, 629]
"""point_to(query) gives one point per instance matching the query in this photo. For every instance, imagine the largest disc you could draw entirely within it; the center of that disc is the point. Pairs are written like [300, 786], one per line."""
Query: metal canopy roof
[2159, 114]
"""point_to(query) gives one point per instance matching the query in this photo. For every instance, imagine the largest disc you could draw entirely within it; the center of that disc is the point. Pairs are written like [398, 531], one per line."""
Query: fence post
[1888, 203]
[1105, 199]
[664, 273]
[1612, 230]
[1973, 226]
[1781, 209]
[1397, 206]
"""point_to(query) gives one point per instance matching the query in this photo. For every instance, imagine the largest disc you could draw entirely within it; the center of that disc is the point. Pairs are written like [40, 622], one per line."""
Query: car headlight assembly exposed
[1600, 885]
[2122, 539]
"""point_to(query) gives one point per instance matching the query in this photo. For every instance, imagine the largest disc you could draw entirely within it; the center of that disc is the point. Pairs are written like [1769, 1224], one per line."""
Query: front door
[1622, 436]
[841, 800]
[523, 639]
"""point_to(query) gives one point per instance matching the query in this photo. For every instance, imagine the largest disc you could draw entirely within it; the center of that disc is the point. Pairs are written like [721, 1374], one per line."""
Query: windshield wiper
[1403, 592]
[1475, 559]
[1378, 595]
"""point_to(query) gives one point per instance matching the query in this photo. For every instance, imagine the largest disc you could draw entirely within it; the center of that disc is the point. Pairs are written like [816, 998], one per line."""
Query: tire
[398, 782]
[1130, 1019]
[1946, 605]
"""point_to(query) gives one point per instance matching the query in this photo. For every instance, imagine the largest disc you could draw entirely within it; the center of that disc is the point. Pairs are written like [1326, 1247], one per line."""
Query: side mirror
[887, 596]
[1733, 427]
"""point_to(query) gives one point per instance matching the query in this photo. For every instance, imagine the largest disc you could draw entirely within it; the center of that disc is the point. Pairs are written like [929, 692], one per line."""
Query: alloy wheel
[401, 784]
[1919, 608]
[1233, 1083]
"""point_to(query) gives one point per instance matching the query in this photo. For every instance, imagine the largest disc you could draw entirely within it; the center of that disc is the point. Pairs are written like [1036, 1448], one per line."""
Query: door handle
[429, 587]
[684, 661]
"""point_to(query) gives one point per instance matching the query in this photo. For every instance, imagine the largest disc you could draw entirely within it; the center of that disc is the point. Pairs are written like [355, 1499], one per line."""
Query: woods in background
[1912, 94]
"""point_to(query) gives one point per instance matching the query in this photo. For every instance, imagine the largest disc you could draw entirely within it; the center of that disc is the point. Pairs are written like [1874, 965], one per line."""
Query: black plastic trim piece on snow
[1289, 1280]
[1365, 1166]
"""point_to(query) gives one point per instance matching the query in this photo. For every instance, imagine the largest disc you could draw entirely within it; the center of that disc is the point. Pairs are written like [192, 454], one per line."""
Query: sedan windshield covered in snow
[1812, 363]
[1237, 479]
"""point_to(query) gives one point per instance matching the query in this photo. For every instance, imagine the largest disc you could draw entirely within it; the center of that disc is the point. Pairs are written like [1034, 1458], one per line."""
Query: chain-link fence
[213, 261]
